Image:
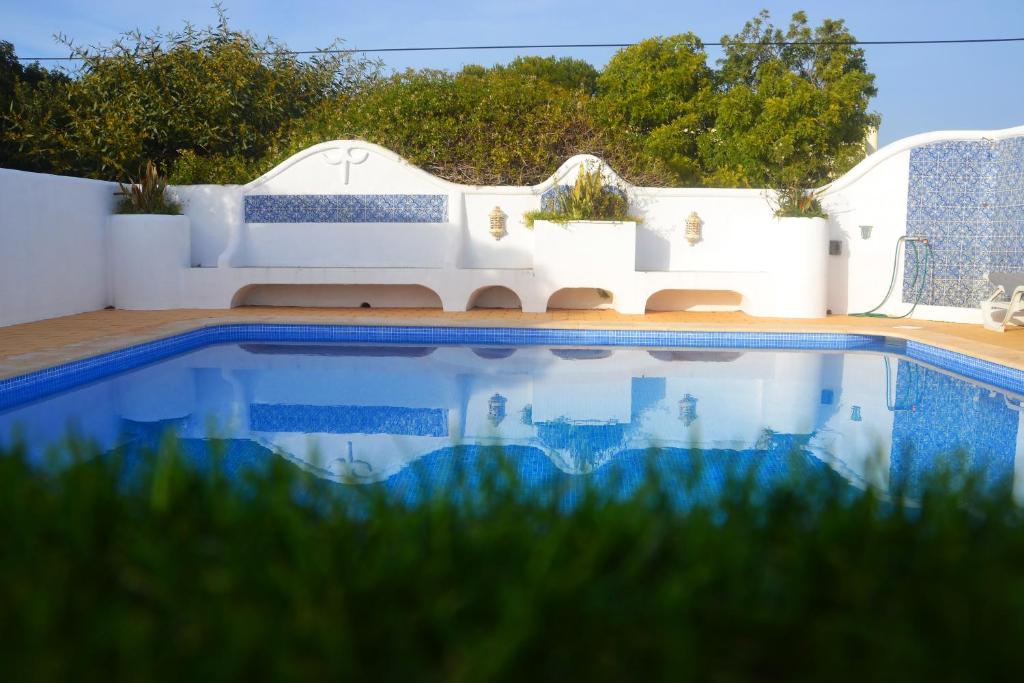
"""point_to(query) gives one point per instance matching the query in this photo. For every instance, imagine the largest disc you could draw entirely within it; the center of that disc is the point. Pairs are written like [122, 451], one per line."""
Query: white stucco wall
[53, 258]
[875, 193]
[54, 244]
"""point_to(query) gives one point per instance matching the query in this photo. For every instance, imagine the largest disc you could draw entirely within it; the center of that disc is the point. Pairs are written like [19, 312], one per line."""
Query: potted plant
[592, 218]
[150, 245]
[798, 250]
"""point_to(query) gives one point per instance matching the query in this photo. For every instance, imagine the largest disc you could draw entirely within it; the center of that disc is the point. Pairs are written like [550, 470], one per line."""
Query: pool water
[372, 415]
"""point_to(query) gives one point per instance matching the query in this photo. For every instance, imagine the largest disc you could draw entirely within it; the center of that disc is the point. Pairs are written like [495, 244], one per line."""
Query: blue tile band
[346, 208]
[329, 419]
[967, 198]
[34, 385]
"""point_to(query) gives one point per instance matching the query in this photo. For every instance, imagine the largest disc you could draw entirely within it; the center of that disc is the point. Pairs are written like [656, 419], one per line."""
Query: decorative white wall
[351, 213]
[348, 213]
[962, 190]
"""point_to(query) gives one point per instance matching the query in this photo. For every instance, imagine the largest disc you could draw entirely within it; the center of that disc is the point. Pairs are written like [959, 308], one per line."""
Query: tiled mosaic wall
[346, 208]
[935, 415]
[967, 198]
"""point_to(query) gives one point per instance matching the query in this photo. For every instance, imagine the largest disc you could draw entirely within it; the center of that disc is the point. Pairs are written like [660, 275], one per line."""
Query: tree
[490, 127]
[17, 82]
[789, 116]
[569, 73]
[150, 97]
[658, 95]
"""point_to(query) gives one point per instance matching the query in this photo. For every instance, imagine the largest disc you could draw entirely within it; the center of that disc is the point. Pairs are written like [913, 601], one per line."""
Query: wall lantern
[688, 409]
[865, 231]
[498, 223]
[496, 409]
[693, 225]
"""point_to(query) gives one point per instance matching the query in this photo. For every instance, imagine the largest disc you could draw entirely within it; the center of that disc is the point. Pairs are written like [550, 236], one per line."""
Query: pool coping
[23, 388]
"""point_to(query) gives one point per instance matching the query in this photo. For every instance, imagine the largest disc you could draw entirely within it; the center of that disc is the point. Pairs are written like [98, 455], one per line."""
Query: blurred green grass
[179, 572]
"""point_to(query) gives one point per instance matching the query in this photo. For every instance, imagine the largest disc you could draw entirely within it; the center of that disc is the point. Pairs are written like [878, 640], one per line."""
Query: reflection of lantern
[693, 223]
[496, 409]
[688, 409]
[498, 229]
[855, 414]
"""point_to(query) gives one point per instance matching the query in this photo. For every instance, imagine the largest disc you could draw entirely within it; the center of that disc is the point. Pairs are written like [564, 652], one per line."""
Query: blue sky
[920, 88]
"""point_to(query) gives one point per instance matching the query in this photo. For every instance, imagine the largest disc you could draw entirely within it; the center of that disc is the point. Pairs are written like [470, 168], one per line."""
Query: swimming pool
[362, 405]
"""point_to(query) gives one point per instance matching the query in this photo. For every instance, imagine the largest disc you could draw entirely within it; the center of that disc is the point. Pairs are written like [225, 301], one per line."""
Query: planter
[798, 253]
[584, 253]
[148, 257]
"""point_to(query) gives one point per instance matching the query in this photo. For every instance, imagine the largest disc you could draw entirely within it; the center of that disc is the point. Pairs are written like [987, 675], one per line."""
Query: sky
[920, 88]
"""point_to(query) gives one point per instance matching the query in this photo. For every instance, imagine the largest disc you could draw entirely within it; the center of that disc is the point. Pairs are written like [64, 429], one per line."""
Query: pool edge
[23, 388]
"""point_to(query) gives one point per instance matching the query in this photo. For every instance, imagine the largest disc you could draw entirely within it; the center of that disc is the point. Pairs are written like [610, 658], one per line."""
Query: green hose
[918, 280]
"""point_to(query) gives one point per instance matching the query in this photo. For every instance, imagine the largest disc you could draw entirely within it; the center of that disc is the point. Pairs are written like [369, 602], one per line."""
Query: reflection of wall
[368, 411]
[855, 425]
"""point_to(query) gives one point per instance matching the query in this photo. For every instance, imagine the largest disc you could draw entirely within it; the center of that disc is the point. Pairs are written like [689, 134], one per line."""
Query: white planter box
[149, 255]
[585, 253]
[797, 250]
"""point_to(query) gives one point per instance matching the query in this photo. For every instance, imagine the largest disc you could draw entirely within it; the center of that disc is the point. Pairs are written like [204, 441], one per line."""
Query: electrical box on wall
[835, 247]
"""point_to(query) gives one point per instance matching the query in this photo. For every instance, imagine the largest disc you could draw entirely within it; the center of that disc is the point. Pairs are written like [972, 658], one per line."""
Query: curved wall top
[350, 158]
[920, 140]
[358, 164]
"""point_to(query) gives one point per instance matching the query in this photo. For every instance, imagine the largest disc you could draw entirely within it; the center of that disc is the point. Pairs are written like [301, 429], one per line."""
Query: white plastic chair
[996, 315]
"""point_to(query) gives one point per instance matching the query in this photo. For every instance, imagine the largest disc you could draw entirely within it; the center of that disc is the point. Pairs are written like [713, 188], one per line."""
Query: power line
[438, 48]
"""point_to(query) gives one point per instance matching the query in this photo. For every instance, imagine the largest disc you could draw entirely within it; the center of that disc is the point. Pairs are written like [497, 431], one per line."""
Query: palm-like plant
[147, 195]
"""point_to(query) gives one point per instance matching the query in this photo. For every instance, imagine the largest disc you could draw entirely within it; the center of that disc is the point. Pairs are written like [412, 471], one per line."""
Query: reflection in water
[367, 414]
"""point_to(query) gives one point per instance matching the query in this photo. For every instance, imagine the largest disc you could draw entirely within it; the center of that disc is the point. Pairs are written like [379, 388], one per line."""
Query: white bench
[996, 315]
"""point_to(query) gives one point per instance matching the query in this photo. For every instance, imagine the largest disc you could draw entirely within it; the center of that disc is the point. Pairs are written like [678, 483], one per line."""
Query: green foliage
[175, 572]
[17, 83]
[212, 91]
[565, 72]
[216, 105]
[147, 195]
[794, 202]
[789, 116]
[493, 128]
[589, 199]
[659, 94]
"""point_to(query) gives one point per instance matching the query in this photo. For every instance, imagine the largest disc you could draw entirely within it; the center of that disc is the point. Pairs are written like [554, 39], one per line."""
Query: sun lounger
[996, 314]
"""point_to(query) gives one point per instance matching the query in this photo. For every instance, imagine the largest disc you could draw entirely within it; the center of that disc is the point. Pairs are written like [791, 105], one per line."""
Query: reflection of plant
[588, 446]
[765, 440]
[148, 195]
[589, 199]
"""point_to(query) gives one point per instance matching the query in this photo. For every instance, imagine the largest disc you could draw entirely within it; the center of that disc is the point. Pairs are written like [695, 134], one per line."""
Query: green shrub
[171, 571]
[565, 72]
[213, 91]
[589, 199]
[147, 195]
[497, 128]
[216, 105]
[661, 91]
[795, 202]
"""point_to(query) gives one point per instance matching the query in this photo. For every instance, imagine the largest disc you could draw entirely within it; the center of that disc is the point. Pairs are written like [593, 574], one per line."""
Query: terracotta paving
[33, 346]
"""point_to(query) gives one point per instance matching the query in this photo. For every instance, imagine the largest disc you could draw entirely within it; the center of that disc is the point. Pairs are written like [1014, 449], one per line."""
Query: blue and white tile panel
[967, 198]
[346, 208]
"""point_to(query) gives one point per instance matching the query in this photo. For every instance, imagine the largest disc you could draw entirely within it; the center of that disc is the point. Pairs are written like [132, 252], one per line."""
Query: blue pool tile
[24, 388]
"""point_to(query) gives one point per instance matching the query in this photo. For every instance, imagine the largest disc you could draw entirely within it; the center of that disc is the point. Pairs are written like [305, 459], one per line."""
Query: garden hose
[918, 279]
